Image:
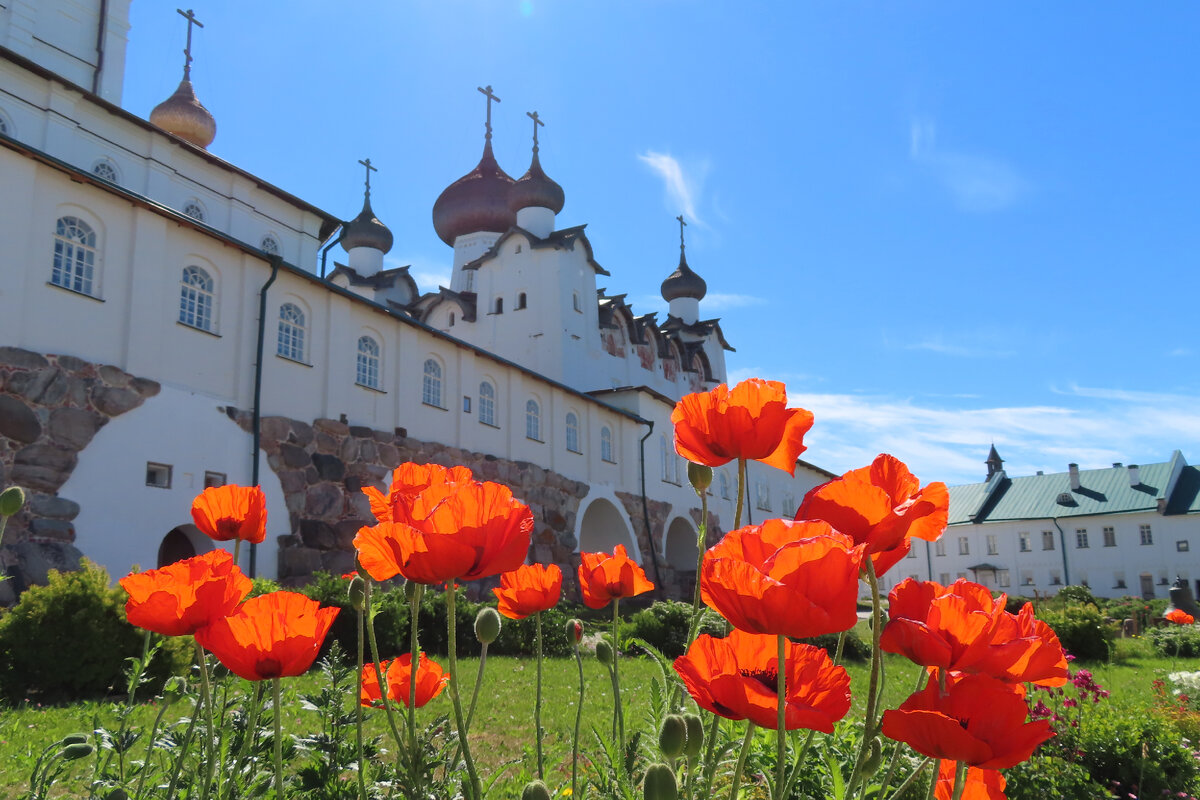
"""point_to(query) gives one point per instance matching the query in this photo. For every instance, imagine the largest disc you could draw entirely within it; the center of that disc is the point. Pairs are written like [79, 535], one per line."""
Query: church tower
[535, 198]
[365, 239]
[182, 114]
[684, 289]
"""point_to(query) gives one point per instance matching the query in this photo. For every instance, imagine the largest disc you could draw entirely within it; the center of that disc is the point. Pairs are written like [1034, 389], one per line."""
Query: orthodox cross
[490, 97]
[370, 169]
[533, 115]
[682, 224]
[190, 16]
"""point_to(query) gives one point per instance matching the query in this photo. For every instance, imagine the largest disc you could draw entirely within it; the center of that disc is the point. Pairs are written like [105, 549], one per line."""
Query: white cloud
[719, 302]
[427, 272]
[682, 188]
[977, 183]
[940, 345]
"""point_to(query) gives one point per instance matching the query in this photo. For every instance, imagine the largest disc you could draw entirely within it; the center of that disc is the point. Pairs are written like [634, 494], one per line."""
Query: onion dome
[683, 282]
[366, 231]
[535, 189]
[478, 201]
[183, 115]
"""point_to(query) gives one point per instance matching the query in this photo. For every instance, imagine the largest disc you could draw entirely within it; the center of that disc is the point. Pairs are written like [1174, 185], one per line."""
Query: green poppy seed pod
[487, 625]
[672, 736]
[695, 735]
[535, 790]
[660, 783]
[174, 688]
[700, 477]
[413, 591]
[874, 759]
[74, 738]
[574, 631]
[356, 592]
[604, 652]
[78, 750]
[11, 501]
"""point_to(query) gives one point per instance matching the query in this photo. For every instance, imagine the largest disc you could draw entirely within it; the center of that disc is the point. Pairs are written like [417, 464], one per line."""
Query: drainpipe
[646, 508]
[256, 421]
[325, 252]
[100, 31]
[929, 556]
[1062, 537]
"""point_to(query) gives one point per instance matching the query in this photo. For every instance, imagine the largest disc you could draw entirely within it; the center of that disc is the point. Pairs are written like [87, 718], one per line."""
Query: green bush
[69, 641]
[1129, 748]
[665, 625]
[1081, 629]
[855, 649]
[1076, 594]
[1173, 641]
[1043, 777]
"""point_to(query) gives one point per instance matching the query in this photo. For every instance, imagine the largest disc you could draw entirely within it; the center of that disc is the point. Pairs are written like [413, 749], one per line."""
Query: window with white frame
[964, 546]
[533, 421]
[992, 547]
[1110, 537]
[196, 299]
[292, 330]
[1055, 578]
[1081, 538]
[573, 433]
[606, 445]
[158, 475]
[194, 210]
[724, 485]
[668, 460]
[1002, 578]
[944, 578]
[366, 371]
[74, 265]
[939, 547]
[104, 169]
[1024, 543]
[911, 553]
[1119, 579]
[269, 245]
[1145, 535]
[789, 505]
[431, 383]
[1047, 540]
[1026, 577]
[1182, 545]
[762, 495]
[487, 404]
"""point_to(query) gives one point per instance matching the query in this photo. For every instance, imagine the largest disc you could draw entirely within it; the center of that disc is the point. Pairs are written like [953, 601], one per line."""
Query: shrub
[1129, 748]
[665, 625]
[1076, 594]
[1044, 777]
[1173, 641]
[855, 649]
[69, 641]
[1081, 629]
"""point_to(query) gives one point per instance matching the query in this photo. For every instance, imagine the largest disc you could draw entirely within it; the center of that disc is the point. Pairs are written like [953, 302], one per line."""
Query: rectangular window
[1055, 578]
[1182, 546]
[466, 404]
[944, 578]
[962, 575]
[1110, 537]
[158, 475]
[911, 553]
[1047, 540]
[1026, 578]
[762, 493]
[1119, 580]
[1023, 538]
[993, 549]
[212, 479]
[1081, 540]
[964, 546]
[1145, 535]
[1002, 579]
[939, 548]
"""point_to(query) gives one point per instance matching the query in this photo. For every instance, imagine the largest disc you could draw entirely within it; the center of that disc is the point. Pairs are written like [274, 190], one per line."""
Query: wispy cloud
[939, 345]
[716, 301]
[682, 187]
[1179, 352]
[977, 183]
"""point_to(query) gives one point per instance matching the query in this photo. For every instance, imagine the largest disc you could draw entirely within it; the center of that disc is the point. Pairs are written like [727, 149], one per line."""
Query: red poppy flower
[750, 421]
[963, 628]
[1179, 617]
[528, 589]
[604, 578]
[231, 512]
[273, 635]
[881, 506]
[452, 528]
[397, 673]
[982, 784]
[180, 598]
[791, 578]
[979, 720]
[736, 678]
[409, 482]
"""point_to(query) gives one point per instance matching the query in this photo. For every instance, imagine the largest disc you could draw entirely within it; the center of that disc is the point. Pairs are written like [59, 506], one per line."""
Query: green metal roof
[1102, 491]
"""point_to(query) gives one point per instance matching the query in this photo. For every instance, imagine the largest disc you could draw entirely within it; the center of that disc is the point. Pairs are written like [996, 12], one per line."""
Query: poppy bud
[699, 476]
[672, 736]
[413, 591]
[874, 759]
[695, 735]
[574, 631]
[174, 688]
[604, 652]
[74, 738]
[11, 500]
[356, 592]
[535, 790]
[660, 783]
[77, 750]
[487, 625]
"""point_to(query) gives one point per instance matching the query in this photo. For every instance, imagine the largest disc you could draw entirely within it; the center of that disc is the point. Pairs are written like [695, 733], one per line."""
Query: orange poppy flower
[273, 635]
[604, 578]
[409, 483]
[963, 628]
[982, 784]
[1179, 617]
[452, 528]
[528, 589]
[181, 598]
[979, 720]
[736, 678]
[397, 673]
[750, 421]
[231, 512]
[881, 506]
[790, 578]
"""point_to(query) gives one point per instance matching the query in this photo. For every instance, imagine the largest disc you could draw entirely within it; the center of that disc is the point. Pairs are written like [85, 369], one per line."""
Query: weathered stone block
[17, 357]
[53, 506]
[59, 530]
[46, 386]
[113, 401]
[292, 481]
[36, 559]
[274, 428]
[322, 499]
[43, 467]
[338, 562]
[333, 427]
[318, 534]
[73, 427]
[145, 387]
[301, 433]
[330, 468]
[18, 421]
[71, 363]
[389, 456]
[298, 561]
[347, 529]
[348, 450]
[114, 376]
[361, 432]
[294, 456]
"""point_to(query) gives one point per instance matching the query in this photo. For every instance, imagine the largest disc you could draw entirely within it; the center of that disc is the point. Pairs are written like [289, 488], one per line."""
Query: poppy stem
[741, 762]
[252, 715]
[206, 694]
[162, 709]
[237, 549]
[800, 756]
[741, 496]
[358, 712]
[383, 687]
[781, 718]
[903, 787]
[414, 667]
[578, 721]
[183, 748]
[960, 780]
[620, 712]
[278, 739]
[873, 685]
[537, 706]
[473, 791]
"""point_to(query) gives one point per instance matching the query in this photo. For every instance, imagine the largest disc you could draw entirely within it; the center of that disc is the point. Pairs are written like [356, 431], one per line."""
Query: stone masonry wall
[50, 408]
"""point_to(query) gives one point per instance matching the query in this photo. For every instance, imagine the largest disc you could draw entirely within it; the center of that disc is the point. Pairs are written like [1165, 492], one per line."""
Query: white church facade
[168, 321]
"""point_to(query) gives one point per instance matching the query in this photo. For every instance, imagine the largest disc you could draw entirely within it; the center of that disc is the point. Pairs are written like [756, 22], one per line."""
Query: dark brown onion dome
[535, 189]
[683, 283]
[478, 201]
[366, 231]
[183, 115]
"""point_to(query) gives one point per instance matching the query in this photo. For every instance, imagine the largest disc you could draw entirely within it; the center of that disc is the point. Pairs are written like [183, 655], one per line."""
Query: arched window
[196, 299]
[521, 301]
[194, 210]
[668, 460]
[269, 245]
[291, 332]
[533, 421]
[431, 384]
[573, 433]
[487, 404]
[606, 445]
[499, 305]
[105, 169]
[74, 256]
[367, 371]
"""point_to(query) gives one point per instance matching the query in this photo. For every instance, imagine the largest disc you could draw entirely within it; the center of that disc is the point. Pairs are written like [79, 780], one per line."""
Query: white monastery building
[169, 321]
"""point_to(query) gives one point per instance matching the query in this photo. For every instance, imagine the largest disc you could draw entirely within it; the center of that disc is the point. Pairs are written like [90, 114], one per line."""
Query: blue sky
[941, 224]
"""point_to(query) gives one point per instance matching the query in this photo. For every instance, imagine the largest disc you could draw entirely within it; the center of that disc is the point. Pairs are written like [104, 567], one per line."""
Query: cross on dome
[533, 115]
[682, 225]
[490, 97]
[367, 163]
[190, 16]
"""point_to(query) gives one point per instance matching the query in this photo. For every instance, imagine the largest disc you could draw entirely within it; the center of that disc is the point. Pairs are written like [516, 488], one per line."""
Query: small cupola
[994, 462]
[535, 198]
[684, 289]
[182, 114]
[365, 239]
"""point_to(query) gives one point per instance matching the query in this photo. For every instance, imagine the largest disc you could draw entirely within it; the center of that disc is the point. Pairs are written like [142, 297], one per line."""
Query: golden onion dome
[184, 116]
